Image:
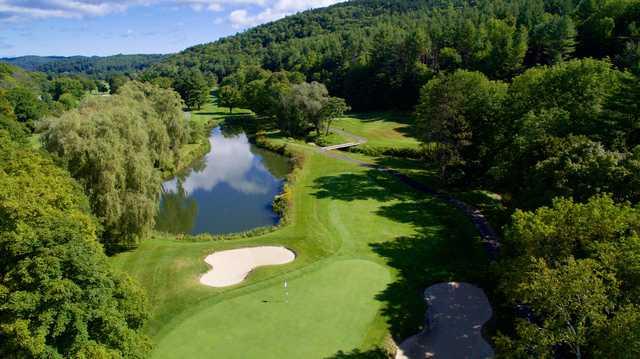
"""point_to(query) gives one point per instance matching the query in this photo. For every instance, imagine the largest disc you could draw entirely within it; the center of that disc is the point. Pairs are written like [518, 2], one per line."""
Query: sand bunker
[456, 314]
[232, 267]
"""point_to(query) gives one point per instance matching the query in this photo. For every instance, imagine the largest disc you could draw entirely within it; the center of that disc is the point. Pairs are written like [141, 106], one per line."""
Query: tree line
[574, 268]
[118, 148]
[96, 67]
[96, 188]
[29, 97]
[568, 130]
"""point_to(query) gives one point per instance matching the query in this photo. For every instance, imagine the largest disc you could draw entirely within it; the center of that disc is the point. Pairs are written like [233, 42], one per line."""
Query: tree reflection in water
[178, 211]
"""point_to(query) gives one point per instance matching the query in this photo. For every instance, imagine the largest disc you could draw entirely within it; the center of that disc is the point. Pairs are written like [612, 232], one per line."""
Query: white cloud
[38, 9]
[230, 162]
[274, 10]
[242, 18]
[214, 7]
[242, 13]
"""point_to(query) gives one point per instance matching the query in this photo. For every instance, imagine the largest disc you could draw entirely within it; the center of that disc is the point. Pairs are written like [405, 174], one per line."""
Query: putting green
[339, 295]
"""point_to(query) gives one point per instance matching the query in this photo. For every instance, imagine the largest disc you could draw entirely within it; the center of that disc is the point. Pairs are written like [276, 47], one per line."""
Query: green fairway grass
[382, 130]
[366, 247]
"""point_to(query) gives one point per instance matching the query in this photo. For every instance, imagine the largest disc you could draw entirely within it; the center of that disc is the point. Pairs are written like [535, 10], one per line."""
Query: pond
[229, 190]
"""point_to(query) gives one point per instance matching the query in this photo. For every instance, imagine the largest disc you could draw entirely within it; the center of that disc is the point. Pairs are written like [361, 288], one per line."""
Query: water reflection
[230, 190]
[178, 212]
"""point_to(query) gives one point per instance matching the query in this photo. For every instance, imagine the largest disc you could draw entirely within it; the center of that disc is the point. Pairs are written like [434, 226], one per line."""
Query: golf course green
[366, 247]
[382, 130]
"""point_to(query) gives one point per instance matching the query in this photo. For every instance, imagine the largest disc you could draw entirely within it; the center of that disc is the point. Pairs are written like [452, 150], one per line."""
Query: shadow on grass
[356, 186]
[357, 354]
[418, 169]
[446, 246]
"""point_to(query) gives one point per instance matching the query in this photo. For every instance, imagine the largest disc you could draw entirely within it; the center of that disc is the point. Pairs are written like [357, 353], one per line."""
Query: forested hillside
[94, 66]
[378, 53]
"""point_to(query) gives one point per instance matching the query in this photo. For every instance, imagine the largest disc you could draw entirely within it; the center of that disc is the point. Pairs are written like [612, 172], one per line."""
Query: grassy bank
[367, 246]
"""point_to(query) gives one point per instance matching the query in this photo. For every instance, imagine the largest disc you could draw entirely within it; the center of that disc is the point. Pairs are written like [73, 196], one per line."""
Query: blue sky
[107, 27]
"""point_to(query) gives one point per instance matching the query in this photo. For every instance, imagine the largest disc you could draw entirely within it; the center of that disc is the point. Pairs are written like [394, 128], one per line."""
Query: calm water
[229, 190]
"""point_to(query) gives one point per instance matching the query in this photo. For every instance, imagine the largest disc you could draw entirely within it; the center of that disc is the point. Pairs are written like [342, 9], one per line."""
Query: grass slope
[367, 246]
[382, 130]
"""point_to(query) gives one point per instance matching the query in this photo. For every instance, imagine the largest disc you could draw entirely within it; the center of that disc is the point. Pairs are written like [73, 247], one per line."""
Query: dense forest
[94, 66]
[543, 81]
[538, 100]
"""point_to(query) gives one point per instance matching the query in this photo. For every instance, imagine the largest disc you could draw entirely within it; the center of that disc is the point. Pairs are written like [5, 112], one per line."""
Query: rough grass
[367, 247]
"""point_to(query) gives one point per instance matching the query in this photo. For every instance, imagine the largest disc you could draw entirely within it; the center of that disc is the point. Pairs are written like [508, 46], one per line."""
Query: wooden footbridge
[342, 145]
[357, 140]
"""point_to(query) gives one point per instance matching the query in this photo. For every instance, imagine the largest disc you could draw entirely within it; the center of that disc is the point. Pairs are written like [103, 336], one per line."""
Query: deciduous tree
[461, 112]
[60, 297]
[229, 96]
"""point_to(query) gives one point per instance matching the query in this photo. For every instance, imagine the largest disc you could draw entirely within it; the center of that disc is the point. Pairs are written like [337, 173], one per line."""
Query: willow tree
[117, 148]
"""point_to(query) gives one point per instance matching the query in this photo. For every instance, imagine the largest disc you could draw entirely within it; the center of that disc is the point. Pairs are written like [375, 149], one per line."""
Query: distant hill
[317, 32]
[95, 66]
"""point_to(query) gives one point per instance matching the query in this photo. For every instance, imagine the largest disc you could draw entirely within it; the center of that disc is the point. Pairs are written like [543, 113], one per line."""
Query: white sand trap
[453, 328]
[232, 267]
